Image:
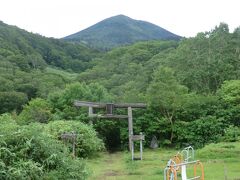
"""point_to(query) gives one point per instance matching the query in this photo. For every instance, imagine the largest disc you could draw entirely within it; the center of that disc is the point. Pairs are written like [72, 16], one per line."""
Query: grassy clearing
[219, 160]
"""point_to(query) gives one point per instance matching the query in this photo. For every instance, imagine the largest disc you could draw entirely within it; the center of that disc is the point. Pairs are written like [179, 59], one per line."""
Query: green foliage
[23, 60]
[190, 85]
[6, 84]
[31, 51]
[38, 110]
[87, 143]
[164, 91]
[232, 134]
[230, 92]
[27, 152]
[196, 106]
[63, 101]
[124, 72]
[166, 94]
[10, 101]
[229, 96]
[202, 63]
[200, 132]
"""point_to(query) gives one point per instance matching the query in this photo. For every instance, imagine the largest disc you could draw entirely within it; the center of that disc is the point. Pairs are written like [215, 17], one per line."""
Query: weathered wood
[103, 105]
[132, 149]
[108, 116]
[109, 108]
[90, 111]
[89, 104]
[133, 105]
[137, 137]
[141, 145]
[130, 127]
[72, 137]
[68, 136]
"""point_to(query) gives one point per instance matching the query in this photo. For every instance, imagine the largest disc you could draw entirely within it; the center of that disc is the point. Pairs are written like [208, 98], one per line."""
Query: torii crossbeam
[109, 115]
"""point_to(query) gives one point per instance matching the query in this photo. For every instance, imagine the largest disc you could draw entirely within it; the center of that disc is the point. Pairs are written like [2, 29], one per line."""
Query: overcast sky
[59, 18]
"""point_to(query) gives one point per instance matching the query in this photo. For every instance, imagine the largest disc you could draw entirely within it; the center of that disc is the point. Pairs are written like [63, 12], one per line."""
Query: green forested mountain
[26, 62]
[29, 51]
[118, 31]
[191, 87]
[201, 63]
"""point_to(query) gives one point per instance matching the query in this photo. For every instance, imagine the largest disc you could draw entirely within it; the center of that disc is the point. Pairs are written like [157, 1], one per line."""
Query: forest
[191, 88]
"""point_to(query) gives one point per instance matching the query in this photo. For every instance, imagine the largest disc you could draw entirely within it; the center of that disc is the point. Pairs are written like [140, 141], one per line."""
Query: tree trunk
[170, 117]
[171, 137]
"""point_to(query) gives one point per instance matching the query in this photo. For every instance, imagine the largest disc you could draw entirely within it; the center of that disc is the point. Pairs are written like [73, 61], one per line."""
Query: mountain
[28, 50]
[120, 30]
[33, 66]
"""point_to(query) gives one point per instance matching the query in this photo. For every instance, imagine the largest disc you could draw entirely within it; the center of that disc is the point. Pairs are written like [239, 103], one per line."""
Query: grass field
[221, 161]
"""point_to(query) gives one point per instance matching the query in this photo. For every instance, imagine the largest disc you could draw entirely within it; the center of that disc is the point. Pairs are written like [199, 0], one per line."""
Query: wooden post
[74, 143]
[132, 150]
[130, 127]
[141, 147]
[90, 113]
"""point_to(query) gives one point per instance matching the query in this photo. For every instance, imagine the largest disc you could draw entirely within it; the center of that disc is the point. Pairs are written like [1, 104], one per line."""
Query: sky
[59, 18]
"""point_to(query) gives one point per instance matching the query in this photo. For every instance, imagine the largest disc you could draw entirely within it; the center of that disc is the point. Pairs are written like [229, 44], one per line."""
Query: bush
[11, 101]
[200, 132]
[38, 110]
[62, 102]
[27, 152]
[232, 134]
[87, 141]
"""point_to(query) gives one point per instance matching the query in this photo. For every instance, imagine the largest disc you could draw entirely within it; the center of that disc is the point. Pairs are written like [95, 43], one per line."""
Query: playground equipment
[180, 162]
[109, 115]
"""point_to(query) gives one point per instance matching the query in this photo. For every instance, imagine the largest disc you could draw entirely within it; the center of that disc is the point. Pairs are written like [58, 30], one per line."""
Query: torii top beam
[109, 108]
[103, 105]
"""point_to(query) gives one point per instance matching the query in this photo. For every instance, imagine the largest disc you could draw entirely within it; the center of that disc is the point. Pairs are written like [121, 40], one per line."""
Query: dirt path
[109, 166]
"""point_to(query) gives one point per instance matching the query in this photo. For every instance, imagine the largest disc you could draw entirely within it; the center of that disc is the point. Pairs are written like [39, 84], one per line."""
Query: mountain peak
[120, 16]
[120, 30]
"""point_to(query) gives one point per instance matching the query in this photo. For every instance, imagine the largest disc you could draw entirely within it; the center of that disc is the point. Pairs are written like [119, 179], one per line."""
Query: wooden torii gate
[109, 115]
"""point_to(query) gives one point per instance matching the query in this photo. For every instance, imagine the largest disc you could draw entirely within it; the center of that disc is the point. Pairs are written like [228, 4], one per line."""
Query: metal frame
[180, 162]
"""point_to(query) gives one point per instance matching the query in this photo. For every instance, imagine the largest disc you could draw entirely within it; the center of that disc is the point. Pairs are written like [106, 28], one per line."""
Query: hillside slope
[28, 50]
[120, 30]
[201, 63]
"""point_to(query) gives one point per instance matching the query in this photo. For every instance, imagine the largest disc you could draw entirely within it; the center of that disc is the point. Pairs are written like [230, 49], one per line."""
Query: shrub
[232, 134]
[87, 141]
[38, 110]
[200, 132]
[10, 101]
[27, 152]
